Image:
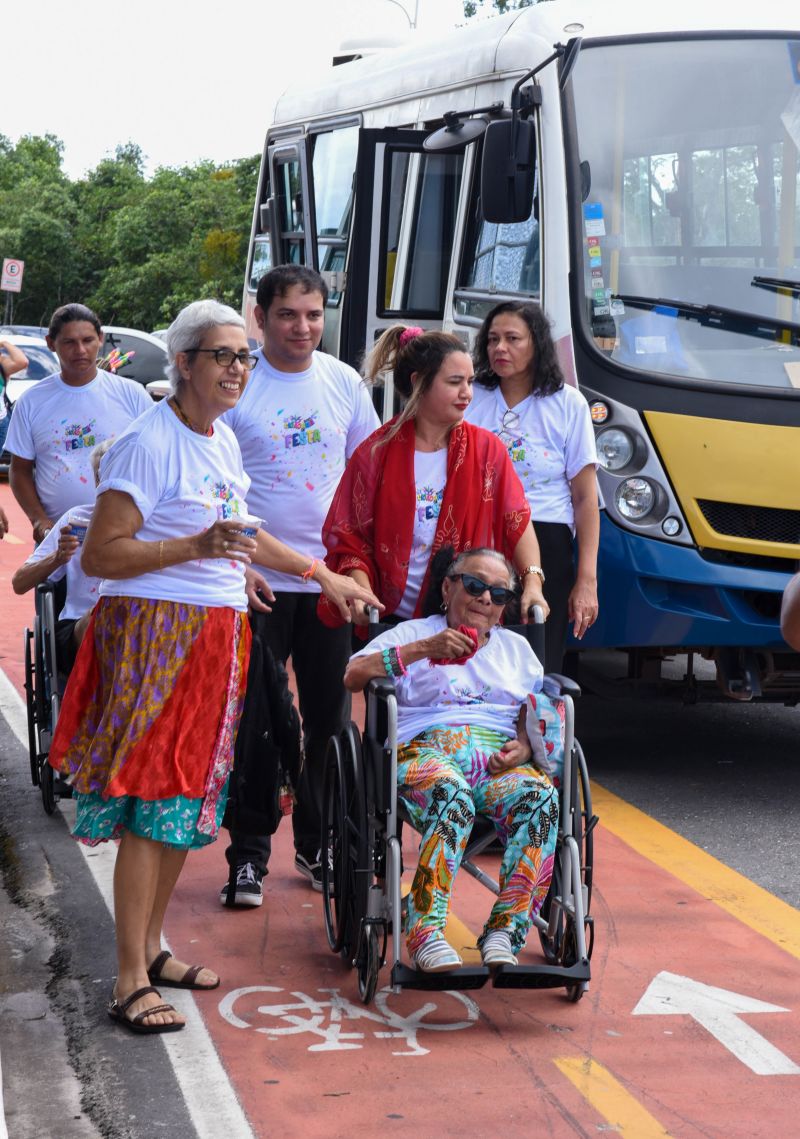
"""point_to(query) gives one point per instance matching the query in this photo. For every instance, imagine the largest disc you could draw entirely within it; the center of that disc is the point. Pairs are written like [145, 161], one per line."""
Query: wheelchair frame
[361, 881]
[43, 693]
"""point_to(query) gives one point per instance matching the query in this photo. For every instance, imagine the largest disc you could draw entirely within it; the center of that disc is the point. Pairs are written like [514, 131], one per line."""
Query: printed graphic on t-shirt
[228, 504]
[515, 447]
[461, 694]
[77, 435]
[429, 503]
[300, 431]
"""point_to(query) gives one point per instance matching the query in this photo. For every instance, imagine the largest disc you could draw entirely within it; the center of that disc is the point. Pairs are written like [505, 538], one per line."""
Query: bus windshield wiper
[716, 316]
[777, 285]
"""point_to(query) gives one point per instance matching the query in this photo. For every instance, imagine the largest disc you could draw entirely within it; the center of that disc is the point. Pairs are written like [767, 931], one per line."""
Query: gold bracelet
[161, 555]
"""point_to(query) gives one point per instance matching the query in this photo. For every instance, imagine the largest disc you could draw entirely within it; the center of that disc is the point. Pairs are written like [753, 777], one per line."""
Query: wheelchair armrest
[554, 684]
[380, 686]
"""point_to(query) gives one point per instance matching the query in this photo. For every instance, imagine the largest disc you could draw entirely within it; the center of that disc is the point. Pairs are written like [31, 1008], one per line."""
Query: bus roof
[511, 44]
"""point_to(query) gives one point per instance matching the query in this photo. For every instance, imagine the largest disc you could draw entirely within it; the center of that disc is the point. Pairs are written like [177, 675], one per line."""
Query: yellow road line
[609, 1098]
[750, 904]
[13, 540]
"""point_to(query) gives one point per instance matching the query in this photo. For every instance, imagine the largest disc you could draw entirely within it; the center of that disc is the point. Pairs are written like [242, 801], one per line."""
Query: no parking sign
[12, 275]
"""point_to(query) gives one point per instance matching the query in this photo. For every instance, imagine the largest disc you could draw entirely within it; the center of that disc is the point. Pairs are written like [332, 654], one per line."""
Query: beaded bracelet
[402, 670]
[387, 662]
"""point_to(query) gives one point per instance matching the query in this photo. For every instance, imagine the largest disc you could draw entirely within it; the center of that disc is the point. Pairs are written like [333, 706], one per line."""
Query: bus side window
[333, 169]
[503, 259]
[289, 196]
[418, 222]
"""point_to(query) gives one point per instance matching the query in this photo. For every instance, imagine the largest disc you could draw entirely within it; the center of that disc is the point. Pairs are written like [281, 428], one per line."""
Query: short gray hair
[459, 561]
[190, 326]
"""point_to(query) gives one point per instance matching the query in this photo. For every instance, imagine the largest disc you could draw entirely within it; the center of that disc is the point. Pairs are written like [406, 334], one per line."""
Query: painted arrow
[718, 1010]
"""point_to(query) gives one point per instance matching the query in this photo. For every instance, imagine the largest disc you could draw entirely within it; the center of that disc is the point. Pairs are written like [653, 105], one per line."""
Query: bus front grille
[761, 523]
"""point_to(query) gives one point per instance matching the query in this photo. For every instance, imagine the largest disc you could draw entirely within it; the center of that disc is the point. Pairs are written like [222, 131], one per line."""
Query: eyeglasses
[226, 356]
[498, 594]
[510, 422]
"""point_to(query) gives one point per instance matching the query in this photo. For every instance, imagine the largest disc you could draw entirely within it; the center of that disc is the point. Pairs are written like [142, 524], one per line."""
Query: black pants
[557, 550]
[319, 657]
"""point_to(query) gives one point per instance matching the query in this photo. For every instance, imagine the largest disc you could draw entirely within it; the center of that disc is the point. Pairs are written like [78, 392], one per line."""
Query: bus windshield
[690, 218]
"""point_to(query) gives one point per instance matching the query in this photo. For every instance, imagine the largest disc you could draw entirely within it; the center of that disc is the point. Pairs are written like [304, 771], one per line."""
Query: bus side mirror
[508, 170]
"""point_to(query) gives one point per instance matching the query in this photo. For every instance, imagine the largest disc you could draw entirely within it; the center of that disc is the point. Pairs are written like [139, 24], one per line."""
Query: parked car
[143, 356]
[41, 362]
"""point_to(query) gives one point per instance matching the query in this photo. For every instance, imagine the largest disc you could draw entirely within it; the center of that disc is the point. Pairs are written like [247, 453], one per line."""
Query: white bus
[652, 208]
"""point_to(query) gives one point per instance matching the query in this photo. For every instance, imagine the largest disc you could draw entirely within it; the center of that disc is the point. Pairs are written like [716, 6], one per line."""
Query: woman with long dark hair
[546, 427]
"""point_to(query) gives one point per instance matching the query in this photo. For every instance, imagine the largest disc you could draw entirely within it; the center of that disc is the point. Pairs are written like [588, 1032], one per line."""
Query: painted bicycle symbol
[333, 1019]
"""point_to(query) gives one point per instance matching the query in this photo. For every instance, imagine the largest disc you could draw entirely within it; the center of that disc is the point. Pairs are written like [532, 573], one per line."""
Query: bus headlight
[635, 498]
[615, 448]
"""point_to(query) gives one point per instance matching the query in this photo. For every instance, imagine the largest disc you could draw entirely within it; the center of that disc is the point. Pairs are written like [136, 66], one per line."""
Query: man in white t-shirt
[59, 420]
[298, 421]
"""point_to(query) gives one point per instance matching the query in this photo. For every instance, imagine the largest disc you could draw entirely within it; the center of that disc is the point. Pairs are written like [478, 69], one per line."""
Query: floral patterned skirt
[147, 727]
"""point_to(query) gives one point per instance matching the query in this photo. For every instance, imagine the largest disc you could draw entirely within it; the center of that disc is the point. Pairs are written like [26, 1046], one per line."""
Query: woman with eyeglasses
[461, 682]
[425, 480]
[146, 730]
[546, 427]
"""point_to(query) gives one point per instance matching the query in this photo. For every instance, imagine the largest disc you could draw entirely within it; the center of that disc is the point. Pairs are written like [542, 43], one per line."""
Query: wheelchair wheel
[552, 943]
[586, 839]
[47, 786]
[357, 840]
[346, 881]
[30, 707]
[569, 956]
[334, 877]
[368, 963]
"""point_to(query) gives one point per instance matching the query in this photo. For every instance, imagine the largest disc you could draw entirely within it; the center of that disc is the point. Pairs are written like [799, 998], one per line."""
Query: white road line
[207, 1092]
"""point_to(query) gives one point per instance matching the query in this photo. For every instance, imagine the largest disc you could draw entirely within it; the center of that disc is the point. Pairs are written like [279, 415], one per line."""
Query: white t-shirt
[430, 477]
[487, 691]
[549, 440]
[181, 483]
[296, 431]
[82, 590]
[58, 425]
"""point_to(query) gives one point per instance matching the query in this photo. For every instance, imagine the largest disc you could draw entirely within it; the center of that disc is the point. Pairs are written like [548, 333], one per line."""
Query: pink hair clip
[409, 334]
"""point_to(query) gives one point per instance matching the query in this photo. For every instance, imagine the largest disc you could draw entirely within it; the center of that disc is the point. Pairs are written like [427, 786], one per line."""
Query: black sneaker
[248, 887]
[312, 870]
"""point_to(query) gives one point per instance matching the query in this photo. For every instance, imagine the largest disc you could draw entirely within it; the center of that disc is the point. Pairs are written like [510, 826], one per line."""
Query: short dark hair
[66, 314]
[278, 281]
[546, 374]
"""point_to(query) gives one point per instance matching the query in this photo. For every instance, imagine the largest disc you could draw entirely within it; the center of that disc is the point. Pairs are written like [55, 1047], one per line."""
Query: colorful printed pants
[443, 782]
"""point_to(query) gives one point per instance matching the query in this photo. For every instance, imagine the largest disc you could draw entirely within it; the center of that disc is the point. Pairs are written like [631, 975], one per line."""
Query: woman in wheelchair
[461, 682]
[55, 559]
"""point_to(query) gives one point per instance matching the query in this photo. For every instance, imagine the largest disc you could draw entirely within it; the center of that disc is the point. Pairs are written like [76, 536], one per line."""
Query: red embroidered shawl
[371, 518]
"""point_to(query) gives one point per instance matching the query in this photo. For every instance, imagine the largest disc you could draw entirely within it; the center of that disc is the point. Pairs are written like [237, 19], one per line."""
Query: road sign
[12, 275]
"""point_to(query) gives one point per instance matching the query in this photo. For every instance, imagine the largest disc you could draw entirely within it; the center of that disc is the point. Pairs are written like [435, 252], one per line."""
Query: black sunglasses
[476, 588]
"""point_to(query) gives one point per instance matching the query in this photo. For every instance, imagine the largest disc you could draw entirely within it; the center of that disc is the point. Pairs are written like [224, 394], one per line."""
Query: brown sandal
[118, 1011]
[187, 981]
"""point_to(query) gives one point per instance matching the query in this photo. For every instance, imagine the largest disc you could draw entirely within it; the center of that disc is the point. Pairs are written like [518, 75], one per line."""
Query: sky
[185, 81]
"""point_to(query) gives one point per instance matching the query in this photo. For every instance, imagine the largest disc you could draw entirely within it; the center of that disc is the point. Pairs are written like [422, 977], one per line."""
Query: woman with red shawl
[424, 480]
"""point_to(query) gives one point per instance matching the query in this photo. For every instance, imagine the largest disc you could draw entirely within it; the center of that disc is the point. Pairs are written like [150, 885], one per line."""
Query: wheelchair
[362, 818]
[44, 689]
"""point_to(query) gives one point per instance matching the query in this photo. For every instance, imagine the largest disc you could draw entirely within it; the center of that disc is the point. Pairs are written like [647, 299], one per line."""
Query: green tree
[134, 248]
[473, 7]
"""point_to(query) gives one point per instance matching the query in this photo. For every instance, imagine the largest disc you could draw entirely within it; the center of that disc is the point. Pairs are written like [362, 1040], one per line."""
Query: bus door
[284, 228]
[406, 207]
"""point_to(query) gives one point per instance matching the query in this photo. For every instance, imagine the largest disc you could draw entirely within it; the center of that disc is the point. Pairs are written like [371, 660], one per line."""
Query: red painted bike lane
[306, 1057]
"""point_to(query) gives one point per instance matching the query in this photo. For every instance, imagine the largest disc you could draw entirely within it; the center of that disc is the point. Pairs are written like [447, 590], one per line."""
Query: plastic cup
[79, 523]
[247, 524]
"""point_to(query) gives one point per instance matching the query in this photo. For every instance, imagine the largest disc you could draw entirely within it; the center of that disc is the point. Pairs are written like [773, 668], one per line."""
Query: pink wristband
[400, 665]
[309, 573]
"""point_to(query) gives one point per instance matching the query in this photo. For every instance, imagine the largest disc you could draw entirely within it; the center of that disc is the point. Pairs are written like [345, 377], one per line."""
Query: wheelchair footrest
[467, 977]
[540, 976]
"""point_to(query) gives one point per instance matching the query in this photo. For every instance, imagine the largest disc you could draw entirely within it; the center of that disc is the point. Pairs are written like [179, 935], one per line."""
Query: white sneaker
[496, 949]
